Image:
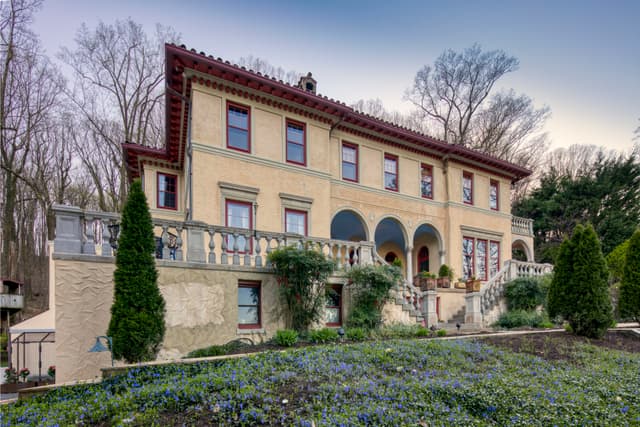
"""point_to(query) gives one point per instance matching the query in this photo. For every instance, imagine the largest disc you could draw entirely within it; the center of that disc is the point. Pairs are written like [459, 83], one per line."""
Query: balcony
[11, 295]
[89, 233]
[522, 226]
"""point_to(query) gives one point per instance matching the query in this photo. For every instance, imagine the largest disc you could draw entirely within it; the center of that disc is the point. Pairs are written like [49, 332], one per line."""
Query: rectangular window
[249, 305]
[296, 140]
[349, 162]
[167, 191]
[494, 258]
[238, 133]
[391, 172]
[238, 215]
[467, 257]
[467, 188]
[481, 259]
[426, 182]
[494, 190]
[295, 222]
[333, 308]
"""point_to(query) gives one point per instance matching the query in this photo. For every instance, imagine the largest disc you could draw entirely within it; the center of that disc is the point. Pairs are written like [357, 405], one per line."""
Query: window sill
[250, 331]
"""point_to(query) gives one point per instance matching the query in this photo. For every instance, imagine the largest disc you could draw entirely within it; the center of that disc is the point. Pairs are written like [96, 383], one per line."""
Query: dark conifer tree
[629, 305]
[137, 315]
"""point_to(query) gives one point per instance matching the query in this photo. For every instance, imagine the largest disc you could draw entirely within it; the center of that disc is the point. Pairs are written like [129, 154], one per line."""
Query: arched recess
[520, 250]
[427, 237]
[390, 236]
[349, 225]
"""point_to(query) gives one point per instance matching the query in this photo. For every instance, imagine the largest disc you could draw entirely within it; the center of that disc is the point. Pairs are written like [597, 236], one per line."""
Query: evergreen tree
[137, 314]
[579, 290]
[630, 286]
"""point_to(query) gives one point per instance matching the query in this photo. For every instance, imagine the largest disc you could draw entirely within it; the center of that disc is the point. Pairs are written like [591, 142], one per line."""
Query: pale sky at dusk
[581, 58]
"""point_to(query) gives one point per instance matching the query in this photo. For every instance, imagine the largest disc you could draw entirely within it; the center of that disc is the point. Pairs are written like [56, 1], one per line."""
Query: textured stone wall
[201, 310]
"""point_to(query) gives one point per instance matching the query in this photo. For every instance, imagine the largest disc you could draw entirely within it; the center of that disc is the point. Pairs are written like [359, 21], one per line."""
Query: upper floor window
[467, 188]
[349, 162]
[426, 182]
[295, 222]
[494, 188]
[296, 140]
[238, 216]
[167, 191]
[391, 172]
[249, 303]
[238, 132]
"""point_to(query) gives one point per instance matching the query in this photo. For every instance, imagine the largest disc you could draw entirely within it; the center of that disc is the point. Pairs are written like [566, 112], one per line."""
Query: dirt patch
[560, 345]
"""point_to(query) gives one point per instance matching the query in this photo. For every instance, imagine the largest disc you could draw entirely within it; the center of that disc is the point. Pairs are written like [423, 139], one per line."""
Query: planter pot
[425, 283]
[473, 286]
[460, 285]
[444, 282]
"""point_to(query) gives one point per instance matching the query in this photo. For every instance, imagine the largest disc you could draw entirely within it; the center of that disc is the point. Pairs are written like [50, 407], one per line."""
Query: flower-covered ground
[399, 382]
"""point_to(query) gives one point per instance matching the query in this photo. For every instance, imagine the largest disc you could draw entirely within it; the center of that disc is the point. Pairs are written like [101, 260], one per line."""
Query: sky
[580, 58]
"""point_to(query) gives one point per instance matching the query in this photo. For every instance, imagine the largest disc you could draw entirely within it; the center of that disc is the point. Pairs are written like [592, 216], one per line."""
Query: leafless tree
[263, 66]
[454, 96]
[29, 90]
[376, 108]
[119, 92]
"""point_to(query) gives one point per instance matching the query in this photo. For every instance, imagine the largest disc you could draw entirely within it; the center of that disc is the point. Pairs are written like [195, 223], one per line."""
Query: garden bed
[395, 382]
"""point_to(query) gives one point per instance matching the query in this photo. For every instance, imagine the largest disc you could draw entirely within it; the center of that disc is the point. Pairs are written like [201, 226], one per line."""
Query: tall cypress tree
[630, 287]
[579, 290]
[137, 314]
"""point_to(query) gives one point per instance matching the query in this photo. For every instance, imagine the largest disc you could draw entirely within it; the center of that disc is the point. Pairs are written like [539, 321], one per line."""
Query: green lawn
[399, 382]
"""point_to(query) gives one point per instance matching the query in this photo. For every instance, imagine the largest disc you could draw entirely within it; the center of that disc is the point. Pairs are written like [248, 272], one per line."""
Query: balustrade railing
[94, 233]
[522, 226]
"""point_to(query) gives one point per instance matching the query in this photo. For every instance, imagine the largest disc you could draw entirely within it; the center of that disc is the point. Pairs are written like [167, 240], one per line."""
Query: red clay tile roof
[184, 66]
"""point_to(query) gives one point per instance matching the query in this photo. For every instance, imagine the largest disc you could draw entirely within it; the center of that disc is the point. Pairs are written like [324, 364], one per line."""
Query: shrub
[323, 335]
[579, 291]
[398, 330]
[616, 261]
[286, 337]
[445, 271]
[422, 332]
[630, 286]
[441, 332]
[137, 314]
[519, 318]
[214, 350]
[356, 334]
[302, 276]
[370, 289]
[524, 293]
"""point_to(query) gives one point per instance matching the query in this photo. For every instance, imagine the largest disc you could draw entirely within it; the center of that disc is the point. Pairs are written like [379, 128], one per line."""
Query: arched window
[423, 259]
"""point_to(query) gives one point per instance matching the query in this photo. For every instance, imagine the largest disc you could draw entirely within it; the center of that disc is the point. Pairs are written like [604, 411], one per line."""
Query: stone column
[429, 308]
[68, 233]
[409, 259]
[473, 315]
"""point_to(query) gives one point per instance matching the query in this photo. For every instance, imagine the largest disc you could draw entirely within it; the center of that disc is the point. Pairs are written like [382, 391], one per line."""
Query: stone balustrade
[522, 226]
[92, 233]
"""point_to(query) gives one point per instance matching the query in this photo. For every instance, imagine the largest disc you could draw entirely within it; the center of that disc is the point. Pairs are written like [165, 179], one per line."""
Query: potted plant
[473, 284]
[11, 381]
[24, 373]
[427, 281]
[52, 372]
[461, 283]
[445, 275]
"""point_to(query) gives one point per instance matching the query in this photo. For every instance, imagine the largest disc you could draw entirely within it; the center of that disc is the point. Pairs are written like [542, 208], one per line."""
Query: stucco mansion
[251, 164]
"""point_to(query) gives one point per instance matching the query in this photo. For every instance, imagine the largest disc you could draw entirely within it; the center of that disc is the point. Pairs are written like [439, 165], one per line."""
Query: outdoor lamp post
[341, 334]
[98, 347]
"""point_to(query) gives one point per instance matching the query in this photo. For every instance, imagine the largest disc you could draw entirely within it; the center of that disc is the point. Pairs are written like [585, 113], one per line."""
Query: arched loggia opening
[348, 225]
[427, 249]
[390, 239]
[520, 251]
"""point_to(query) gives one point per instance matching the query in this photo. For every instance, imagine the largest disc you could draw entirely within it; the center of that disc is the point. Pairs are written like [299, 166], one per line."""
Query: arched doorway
[423, 259]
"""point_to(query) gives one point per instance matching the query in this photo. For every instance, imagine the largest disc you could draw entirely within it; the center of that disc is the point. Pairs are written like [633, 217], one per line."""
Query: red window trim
[252, 284]
[489, 254]
[304, 141]
[424, 166]
[355, 147]
[495, 183]
[486, 258]
[473, 255]
[392, 157]
[470, 176]
[167, 175]
[226, 220]
[306, 220]
[244, 107]
[338, 289]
